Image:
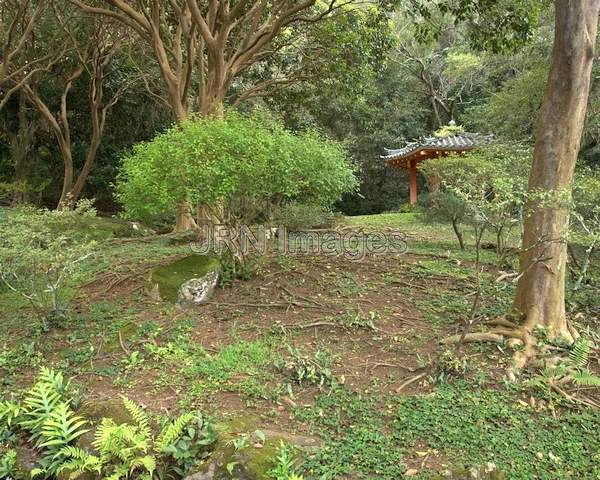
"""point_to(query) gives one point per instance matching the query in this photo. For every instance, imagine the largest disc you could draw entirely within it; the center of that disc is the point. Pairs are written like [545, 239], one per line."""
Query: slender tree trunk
[20, 148]
[65, 202]
[540, 296]
[85, 170]
[458, 233]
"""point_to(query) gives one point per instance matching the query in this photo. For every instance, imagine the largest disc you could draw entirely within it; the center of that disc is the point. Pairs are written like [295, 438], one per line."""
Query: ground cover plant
[332, 372]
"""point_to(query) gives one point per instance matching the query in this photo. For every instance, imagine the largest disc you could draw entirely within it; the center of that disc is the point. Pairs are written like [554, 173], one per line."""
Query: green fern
[62, 427]
[77, 462]
[139, 417]
[123, 448]
[585, 378]
[60, 430]
[579, 353]
[38, 404]
[56, 380]
[119, 441]
[147, 463]
[8, 463]
[172, 432]
[9, 413]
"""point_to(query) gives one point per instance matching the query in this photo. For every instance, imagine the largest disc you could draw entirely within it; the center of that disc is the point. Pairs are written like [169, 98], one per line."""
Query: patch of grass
[428, 269]
[234, 364]
[367, 436]
[473, 426]
[444, 307]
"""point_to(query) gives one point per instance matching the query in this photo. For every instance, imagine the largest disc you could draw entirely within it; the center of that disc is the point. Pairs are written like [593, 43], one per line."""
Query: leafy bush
[447, 206]
[40, 254]
[298, 216]
[491, 184]
[122, 450]
[238, 166]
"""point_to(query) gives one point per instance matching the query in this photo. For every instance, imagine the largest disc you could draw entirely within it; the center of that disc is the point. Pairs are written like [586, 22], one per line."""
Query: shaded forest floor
[344, 354]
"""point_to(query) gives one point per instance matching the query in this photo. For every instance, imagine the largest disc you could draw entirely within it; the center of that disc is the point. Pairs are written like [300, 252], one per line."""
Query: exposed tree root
[587, 402]
[409, 381]
[474, 337]
[526, 350]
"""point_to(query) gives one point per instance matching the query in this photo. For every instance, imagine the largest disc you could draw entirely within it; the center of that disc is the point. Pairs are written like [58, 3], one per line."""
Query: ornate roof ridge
[456, 142]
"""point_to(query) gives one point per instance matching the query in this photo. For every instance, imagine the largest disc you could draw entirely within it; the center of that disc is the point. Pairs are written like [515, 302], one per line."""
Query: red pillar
[412, 173]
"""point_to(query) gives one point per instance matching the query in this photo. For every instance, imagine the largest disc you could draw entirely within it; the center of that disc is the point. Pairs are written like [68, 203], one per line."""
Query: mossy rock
[27, 459]
[166, 282]
[96, 410]
[255, 459]
[487, 472]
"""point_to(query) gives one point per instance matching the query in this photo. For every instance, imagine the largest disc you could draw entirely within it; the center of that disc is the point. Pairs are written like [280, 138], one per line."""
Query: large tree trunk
[540, 296]
[185, 220]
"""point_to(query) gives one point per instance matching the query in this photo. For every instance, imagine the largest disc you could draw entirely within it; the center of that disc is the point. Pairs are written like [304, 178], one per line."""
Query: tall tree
[94, 45]
[18, 19]
[202, 47]
[540, 296]
[208, 44]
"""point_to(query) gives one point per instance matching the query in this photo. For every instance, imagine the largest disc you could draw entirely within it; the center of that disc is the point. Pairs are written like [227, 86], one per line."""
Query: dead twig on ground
[409, 381]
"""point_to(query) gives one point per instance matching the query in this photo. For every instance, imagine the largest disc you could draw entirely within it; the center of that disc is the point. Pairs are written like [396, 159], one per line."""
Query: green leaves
[124, 451]
[173, 431]
[232, 161]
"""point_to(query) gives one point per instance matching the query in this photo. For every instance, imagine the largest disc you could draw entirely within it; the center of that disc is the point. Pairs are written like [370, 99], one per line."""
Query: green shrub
[447, 206]
[238, 166]
[40, 255]
[299, 216]
[490, 183]
[584, 232]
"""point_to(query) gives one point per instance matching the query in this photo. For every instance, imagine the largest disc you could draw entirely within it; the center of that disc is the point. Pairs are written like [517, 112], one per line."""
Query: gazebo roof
[428, 147]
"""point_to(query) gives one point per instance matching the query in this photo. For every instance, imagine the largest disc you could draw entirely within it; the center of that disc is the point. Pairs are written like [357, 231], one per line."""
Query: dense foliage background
[382, 79]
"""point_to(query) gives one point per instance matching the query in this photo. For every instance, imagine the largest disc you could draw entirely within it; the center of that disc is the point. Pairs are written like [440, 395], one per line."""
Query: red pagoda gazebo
[436, 146]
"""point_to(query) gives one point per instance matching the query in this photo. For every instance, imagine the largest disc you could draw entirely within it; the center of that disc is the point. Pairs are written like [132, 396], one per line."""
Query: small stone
[411, 472]
[198, 290]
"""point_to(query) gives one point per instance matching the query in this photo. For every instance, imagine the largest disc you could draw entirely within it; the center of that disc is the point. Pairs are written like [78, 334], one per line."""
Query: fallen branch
[310, 325]
[409, 381]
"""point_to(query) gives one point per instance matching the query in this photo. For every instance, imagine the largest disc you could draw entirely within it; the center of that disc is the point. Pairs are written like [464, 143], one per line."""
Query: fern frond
[139, 417]
[9, 413]
[122, 442]
[38, 404]
[36, 472]
[77, 462]
[147, 462]
[54, 379]
[61, 427]
[120, 472]
[585, 378]
[172, 432]
[579, 353]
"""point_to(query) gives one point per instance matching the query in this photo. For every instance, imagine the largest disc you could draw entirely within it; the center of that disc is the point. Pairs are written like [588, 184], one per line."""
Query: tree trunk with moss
[540, 296]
